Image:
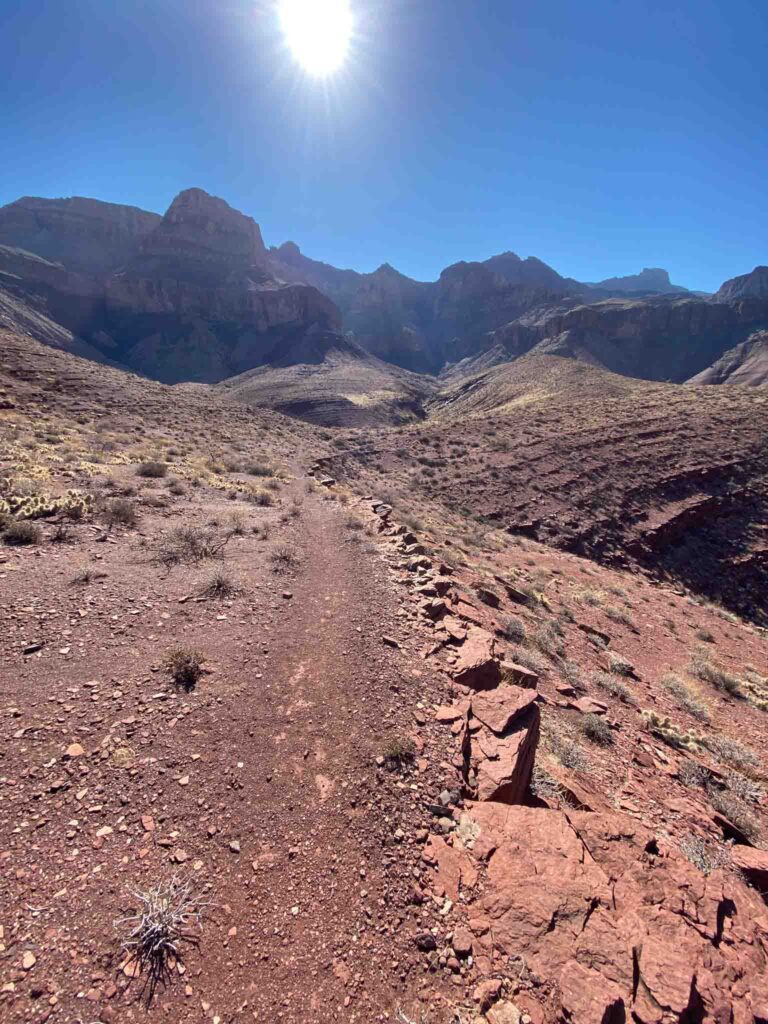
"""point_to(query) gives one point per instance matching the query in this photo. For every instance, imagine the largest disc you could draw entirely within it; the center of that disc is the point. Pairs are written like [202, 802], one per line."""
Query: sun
[318, 32]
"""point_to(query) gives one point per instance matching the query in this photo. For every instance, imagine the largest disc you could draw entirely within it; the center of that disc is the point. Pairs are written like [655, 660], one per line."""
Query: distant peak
[288, 249]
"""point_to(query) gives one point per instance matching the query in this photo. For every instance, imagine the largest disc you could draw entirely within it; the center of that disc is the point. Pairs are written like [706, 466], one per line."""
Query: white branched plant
[169, 915]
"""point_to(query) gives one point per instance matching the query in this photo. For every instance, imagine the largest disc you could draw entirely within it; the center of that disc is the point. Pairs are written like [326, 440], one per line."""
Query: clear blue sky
[600, 136]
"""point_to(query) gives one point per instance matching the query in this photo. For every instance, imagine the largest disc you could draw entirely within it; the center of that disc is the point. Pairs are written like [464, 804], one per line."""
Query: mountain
[753, 285]
[193, 300]
[650, 279]
[83, 234]
[745, 363]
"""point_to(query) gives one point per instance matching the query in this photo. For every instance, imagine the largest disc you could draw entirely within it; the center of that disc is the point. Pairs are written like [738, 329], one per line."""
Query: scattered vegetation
[514, 629]
[705, 670]
[707, 857]
[620, 666]
[152, 470]
[731, 751]
[185, 544]
[119, 512]
[664, 729]
[613, 685]
[597, 730]
[736, 811]
[399, 753]
[283, 558]
[185, 666]
[21, 533]
[219, 587]
[686, 697]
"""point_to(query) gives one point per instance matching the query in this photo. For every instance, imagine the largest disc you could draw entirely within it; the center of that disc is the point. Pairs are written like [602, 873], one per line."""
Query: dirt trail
[307, 811]
[261, 783]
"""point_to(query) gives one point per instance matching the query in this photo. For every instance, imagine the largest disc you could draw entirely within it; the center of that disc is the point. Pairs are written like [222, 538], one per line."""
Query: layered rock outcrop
[746, 363]
[195, 301]
[83, 234]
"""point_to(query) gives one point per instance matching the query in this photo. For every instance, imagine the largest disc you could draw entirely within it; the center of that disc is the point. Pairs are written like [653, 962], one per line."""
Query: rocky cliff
[83, 234]
[660, 338]
[753, 285]
[195, 302]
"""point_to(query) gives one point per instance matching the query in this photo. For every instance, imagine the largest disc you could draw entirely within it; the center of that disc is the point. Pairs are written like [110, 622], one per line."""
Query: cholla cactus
[75, 504]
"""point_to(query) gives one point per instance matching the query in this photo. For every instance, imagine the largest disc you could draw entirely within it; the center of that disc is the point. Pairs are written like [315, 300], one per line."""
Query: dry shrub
[185, 666]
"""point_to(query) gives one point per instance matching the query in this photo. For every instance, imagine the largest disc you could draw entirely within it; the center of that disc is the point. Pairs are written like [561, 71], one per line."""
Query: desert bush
[119, 512]
[572, 673]
[597, 730]
[176, 487]
[705, 635]
[731, 751]
[19, 534]
[283, 558]
[190, 544]
[548, 638]
[399, 753]
[260, 497]
[613, 685]
[544, 786]
[219, 587]
[258, 469]
[692, 774]
[616, 614]
[745, 789]
[62, 534]
[531, 660]
[184, 665]
[152, 470]
[620, 666]
[705, 670]
[159, 928]
[686, 697]
[514, 629]
[736, 811]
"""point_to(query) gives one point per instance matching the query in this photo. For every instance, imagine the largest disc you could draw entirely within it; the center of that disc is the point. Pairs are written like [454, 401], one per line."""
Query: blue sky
[600, 136]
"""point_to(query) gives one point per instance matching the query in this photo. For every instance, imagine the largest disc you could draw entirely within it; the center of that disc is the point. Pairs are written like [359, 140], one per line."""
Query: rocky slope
[429, 769]
[746, 363]
[330, 380]
[661, 338]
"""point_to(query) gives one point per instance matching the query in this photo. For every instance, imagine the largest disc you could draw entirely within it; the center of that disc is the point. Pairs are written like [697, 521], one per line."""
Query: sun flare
[318, 32]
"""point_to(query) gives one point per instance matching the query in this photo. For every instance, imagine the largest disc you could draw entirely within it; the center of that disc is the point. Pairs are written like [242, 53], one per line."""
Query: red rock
[462, 941]
[754, 864]
[503, 763]
[476, 665]
[148, 823]
[499, 708]
[519, 675]
[590, 706]
[74, 750]
[487, 992]
[451, 712]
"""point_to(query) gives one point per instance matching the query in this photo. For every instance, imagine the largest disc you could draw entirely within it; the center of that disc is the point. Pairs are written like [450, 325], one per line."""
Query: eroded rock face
[203, 239]
[746, 363]
[619, 928]
[83, 234]
[753, 285]
[194, 303]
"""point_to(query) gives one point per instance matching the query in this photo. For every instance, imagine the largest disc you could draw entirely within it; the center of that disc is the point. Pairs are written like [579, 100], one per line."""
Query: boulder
[477, 665]
[754, 866]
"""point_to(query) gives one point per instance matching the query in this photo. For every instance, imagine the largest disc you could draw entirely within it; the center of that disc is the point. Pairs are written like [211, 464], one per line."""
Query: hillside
[333, 383]
[746, 363]
[631, 473]
[402, 760]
